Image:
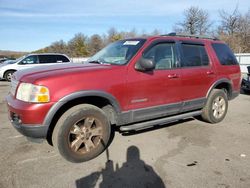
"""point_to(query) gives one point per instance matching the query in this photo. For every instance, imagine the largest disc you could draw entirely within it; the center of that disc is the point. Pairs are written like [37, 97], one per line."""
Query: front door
[28, 62]
[155, 93]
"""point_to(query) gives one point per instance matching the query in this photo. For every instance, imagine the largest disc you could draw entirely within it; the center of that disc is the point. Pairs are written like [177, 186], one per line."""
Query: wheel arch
[101, 99]
[224, 84]
[8, 70]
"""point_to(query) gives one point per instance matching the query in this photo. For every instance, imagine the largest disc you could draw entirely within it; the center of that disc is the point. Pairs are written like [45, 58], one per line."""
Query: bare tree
[113, 35]
[235, 30]
[196, 21]
[244, 32]
[129, 34]
[230, 21]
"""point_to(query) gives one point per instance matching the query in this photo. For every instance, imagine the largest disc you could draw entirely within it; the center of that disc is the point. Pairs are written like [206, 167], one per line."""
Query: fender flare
[216, 83]
[90, 93]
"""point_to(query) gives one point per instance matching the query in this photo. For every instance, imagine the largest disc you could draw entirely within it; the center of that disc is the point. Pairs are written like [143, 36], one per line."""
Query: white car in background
[29, 61]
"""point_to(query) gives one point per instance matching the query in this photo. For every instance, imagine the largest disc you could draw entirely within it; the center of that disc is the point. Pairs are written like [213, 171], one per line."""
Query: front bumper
[28, 118]
[1, 75]
[31, 130]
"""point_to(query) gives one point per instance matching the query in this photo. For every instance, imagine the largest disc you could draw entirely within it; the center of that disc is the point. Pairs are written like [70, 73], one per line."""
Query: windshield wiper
[95, 61]
[98, 62]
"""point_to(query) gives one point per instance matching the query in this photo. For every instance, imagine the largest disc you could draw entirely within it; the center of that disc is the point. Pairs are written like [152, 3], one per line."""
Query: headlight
[32, 93]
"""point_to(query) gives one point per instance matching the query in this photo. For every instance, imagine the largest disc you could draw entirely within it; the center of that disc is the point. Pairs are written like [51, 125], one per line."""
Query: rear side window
[61, 59]
[224, 54]
[52, 59]
[194, 55]
[47, 59]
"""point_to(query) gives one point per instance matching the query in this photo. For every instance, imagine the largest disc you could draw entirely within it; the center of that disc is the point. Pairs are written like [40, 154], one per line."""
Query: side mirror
[145, 65]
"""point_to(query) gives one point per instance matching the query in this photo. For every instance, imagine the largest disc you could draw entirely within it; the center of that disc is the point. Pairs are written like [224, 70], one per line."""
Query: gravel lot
[189, 153]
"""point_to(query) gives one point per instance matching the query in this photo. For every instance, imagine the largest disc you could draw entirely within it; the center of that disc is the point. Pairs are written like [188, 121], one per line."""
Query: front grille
[13, 86]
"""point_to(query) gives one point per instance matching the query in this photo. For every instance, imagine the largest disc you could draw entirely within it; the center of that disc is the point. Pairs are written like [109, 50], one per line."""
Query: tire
[8, 75]
[82, 133]
[216, 107]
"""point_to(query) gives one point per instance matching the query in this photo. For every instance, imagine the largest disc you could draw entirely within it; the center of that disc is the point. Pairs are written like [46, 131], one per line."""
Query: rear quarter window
[224, 54]
[61, 59]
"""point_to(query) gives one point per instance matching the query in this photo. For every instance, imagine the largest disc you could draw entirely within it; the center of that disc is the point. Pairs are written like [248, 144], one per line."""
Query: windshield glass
[117, 53]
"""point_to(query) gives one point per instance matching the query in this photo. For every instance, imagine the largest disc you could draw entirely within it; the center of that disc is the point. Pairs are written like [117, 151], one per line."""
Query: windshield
[117, 53]
[20, 58]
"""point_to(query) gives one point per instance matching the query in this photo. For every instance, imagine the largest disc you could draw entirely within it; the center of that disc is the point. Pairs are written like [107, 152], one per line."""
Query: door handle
[170, 76]
[210, 72]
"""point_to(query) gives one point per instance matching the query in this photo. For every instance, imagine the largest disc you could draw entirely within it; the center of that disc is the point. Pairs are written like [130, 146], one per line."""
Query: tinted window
[47, 59]
[224, 54]
[61, 59]
[194, 55]
[29, 60]
[163, 55]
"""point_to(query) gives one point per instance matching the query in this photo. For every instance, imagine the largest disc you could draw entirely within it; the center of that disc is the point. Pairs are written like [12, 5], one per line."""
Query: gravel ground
[189, 153]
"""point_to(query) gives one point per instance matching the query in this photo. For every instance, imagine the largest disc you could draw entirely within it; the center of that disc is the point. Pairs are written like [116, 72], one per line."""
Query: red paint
[126, 84]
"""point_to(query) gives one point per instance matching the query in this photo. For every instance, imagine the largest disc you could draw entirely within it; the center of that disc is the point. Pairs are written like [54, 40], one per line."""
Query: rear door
[197, 72]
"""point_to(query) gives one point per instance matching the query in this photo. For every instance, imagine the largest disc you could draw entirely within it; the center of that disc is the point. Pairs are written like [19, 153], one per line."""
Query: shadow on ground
[133, 173]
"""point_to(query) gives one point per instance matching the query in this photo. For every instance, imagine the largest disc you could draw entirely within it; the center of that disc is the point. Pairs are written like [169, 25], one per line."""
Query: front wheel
[8, 75]
[216, 107]
[82, 133]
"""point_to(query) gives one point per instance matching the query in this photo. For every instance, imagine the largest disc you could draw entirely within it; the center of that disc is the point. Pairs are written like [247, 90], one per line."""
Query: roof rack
[191, 36]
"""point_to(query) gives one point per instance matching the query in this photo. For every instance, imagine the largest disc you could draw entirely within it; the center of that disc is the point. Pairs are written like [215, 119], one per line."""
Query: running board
[162, 121]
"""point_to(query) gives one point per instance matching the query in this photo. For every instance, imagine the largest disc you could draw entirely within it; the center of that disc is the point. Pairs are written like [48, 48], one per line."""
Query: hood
[32, 74]
[3, 65]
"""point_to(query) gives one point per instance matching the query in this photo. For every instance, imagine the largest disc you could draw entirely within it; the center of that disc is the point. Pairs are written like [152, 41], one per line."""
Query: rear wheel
[216, 107]
[8, 75]
[82, 133]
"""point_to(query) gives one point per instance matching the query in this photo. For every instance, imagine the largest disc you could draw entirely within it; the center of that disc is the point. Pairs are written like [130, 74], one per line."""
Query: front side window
[29, 60]
[117, 53]
[224, 54]
[194, 55]
[163, 55]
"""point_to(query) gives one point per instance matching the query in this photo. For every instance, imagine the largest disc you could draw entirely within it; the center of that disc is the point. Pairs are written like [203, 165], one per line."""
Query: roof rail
[191, 36]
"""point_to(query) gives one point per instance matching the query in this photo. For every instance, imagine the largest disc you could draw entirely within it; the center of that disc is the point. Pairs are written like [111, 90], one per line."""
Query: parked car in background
[2, 60]
[245, 84]
[29, 61]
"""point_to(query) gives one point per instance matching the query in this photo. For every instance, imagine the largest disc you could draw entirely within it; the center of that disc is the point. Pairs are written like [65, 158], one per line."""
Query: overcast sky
[27, 25]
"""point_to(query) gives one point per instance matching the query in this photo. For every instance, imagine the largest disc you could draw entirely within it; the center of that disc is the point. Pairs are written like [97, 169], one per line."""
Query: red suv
[132, 84]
